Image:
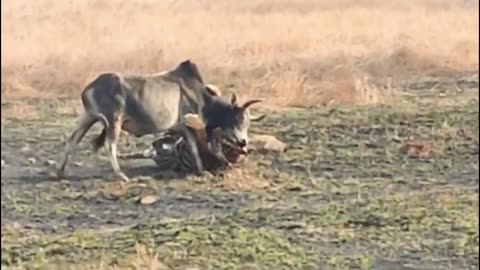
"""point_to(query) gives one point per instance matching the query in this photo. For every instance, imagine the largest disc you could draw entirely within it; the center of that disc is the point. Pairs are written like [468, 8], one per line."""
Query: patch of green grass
[344, 196]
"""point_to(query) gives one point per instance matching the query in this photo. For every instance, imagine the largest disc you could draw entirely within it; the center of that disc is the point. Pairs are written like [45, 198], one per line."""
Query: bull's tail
[99, 141]
[91, 106]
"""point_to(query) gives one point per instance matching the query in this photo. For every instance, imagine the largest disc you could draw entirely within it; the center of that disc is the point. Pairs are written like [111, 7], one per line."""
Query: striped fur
[172, 152]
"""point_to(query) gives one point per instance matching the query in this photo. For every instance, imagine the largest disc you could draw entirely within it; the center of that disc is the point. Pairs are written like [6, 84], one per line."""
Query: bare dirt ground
[372, 187]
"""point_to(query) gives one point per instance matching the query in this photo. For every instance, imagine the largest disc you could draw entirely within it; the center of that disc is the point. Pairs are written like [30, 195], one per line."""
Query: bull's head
[234, 120]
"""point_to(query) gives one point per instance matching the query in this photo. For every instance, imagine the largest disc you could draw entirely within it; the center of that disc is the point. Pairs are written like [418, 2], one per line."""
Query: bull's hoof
[209, 174]
[199, 173]
[227, 165]
[120, 176]
[60, 174]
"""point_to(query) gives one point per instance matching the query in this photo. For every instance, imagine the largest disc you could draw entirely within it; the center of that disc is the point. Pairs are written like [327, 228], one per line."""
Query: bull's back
[147, 104]
[152, 102]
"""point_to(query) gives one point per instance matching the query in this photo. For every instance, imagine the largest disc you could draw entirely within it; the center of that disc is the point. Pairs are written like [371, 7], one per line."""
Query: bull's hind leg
[86, 122]
[113, 134]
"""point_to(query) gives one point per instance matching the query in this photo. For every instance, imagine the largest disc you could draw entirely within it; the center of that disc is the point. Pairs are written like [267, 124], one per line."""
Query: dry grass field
[302, 52]
[377, 100]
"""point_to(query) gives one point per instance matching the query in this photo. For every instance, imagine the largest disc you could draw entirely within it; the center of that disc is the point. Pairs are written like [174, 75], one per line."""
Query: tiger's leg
[212, 145]
[196, 123]
[215, 147]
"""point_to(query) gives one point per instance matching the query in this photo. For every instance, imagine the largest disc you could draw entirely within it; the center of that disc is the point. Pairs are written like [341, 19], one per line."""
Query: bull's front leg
[113, 134]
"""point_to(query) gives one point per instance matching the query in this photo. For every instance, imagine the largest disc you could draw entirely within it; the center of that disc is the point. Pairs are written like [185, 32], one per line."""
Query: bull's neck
[193, 90]
[198, 98]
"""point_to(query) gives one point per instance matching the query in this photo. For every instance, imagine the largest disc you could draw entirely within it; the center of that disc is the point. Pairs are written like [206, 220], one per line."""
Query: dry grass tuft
[143, 259]
[243, 179]
[18, 111]
[418, 150]
[282, 49]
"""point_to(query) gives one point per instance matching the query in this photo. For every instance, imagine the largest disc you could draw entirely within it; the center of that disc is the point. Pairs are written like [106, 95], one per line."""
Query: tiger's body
[172, 152]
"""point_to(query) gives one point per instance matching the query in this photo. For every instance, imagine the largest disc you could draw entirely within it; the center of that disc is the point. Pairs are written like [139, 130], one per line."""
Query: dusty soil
[378, 187]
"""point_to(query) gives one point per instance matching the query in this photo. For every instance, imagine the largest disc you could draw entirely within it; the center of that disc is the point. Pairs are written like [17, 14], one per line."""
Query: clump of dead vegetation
[302, 52]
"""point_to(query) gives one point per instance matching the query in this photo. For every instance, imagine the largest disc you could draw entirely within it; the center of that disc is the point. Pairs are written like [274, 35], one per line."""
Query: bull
[151, 103]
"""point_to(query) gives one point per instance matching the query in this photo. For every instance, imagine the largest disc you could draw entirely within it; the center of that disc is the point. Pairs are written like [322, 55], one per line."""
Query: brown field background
[294, 52]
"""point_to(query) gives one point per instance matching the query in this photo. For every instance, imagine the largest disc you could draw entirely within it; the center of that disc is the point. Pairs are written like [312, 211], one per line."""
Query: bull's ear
[250, 102]
[207, 96]
[213, 90]
[233, 99]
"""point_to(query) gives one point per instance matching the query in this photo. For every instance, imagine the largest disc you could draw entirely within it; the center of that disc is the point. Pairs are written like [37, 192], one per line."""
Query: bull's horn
[186, 62]
[251, 102]
[258, 118]
[213, 89]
